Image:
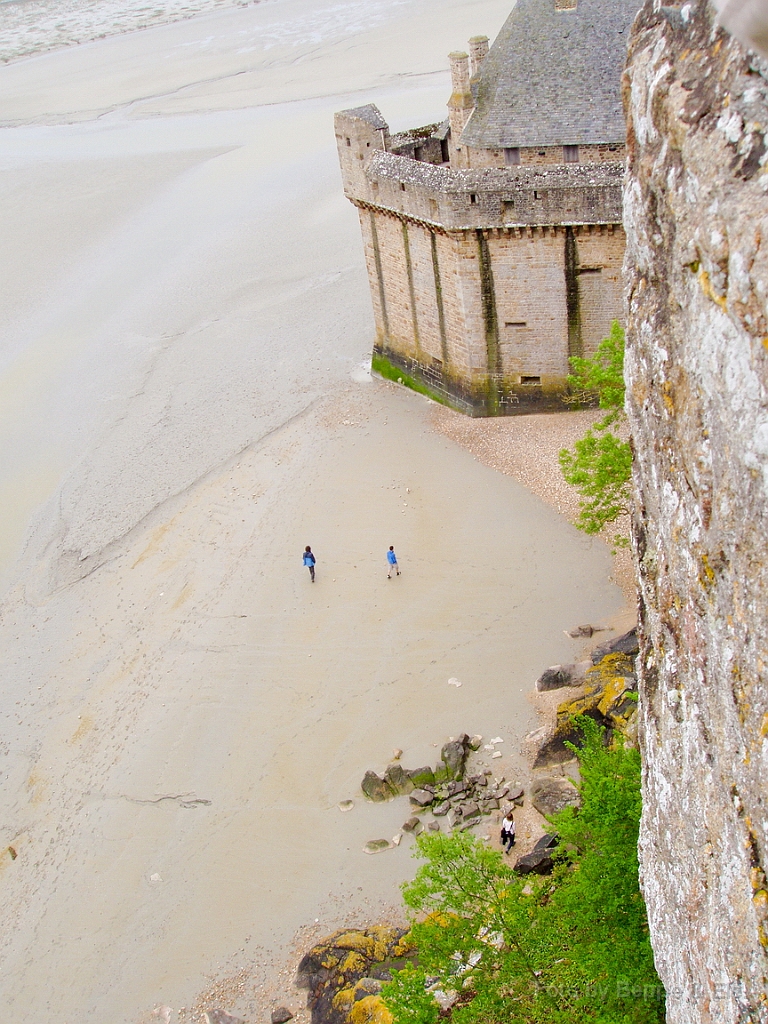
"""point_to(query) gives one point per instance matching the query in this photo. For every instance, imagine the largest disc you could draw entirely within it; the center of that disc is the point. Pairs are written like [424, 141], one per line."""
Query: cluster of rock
[398, 780]
[446, 792]
[344, 974]
[461, 802]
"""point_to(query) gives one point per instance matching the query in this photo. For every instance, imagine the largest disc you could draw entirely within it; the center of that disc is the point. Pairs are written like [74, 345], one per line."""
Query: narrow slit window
[472, 198]
[402, 186]
[349, 142]
[516, 323]
[530, 380]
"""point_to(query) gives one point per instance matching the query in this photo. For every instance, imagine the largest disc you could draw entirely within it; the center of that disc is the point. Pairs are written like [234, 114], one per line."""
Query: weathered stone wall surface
[467, 308]
[542, 156]
[696, 215]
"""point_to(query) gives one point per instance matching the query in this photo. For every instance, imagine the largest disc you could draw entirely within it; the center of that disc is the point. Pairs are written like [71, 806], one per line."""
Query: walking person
[392, 562]
[309, 560]
[508, 832]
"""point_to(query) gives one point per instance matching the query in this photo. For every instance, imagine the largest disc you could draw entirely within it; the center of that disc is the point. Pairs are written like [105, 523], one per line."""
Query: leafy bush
[600, 464]
[570, 948]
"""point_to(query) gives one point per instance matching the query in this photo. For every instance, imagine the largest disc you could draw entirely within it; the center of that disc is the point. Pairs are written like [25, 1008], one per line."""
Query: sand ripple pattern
[33, 26]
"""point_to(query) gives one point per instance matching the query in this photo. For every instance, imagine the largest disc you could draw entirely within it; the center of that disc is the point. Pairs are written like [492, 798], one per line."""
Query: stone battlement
[492, 198]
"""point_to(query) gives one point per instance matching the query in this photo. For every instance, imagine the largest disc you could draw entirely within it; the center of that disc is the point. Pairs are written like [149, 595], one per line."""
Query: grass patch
[381, 365]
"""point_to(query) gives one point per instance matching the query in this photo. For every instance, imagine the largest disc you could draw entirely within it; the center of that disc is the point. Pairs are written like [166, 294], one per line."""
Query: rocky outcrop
[343, 974]
[398, 780]
[609, 697]
[696, 216]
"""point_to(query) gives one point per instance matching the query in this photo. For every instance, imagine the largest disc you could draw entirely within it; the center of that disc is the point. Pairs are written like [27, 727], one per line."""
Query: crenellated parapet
[492, 198]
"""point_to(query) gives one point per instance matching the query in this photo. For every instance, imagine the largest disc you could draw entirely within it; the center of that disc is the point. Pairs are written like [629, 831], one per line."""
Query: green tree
[572, 947]
[599, 464]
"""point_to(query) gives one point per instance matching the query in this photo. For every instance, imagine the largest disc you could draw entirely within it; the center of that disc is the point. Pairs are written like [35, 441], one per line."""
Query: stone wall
[484, 282]
[544, 156]
[475, 311]
[696, 215]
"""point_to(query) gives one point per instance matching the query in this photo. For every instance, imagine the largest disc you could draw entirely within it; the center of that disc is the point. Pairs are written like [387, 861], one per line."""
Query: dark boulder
[375, 788]
[627, 644]
[547, 842]
[456, 788]
[421, 777]
[470, 810]
[421, 798]
[537, 862]
[281, 1015]
[454, 756]
[559, 676]
[398, 780]
[516, 794]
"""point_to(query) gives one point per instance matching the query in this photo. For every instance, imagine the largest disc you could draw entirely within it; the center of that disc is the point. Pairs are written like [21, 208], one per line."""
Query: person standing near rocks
[508, 832]
[392, 562]
[309, 560]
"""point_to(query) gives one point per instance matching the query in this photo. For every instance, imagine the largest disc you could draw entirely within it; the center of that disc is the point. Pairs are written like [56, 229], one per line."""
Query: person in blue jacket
[309, 560]
[392, 562]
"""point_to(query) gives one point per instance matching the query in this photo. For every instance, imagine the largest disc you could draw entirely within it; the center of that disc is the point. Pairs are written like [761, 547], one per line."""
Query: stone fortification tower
[493, 240]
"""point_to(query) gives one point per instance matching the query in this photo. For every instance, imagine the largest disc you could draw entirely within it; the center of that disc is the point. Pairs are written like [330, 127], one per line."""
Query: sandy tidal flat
[185, 323]
[34, 26]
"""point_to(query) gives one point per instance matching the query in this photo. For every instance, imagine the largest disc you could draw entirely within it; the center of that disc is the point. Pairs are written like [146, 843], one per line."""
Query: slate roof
[370, 113]
[553, 78]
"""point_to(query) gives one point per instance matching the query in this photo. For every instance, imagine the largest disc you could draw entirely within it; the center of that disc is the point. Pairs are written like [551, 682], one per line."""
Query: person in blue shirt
[392, 562]
[309, 560]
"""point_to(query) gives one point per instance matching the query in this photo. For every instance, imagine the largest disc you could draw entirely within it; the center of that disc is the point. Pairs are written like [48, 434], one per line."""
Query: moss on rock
[342, 973]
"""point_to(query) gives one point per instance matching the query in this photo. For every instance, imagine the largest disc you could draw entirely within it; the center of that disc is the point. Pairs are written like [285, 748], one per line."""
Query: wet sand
[185, 316]
[527, 448]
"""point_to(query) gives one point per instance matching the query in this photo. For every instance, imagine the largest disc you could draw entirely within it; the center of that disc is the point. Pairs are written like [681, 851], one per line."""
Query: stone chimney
[460, 104]
[478, 49]
[565, 5]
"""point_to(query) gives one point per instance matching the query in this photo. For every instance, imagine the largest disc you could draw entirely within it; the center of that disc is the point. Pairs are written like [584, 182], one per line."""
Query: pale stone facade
[494, 246]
